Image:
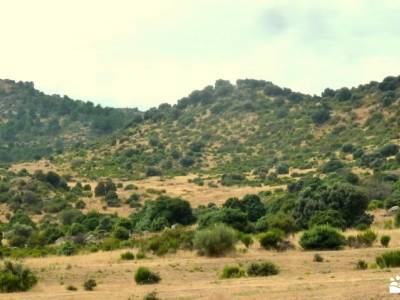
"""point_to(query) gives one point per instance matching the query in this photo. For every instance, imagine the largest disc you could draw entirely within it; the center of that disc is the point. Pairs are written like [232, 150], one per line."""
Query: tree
[343, 94]
[162, 212]
[320, 116]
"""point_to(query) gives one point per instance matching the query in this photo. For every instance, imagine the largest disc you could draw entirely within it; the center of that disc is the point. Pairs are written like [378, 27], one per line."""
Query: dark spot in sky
[274, 22]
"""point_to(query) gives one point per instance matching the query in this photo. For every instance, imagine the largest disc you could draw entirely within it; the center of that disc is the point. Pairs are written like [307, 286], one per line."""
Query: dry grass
[187, 276]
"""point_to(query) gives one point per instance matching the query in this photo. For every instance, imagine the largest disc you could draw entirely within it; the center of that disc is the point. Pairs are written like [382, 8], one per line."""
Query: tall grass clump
[388, 259]
[217, 240]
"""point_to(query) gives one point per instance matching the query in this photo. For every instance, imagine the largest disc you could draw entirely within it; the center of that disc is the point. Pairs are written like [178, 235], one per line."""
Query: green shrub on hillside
[16, 278]
[265, 268]
[143, 275]
[322, 237]
[217, 240]
[231, 272]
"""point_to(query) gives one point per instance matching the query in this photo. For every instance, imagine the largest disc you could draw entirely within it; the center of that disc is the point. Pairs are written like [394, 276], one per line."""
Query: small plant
[67, 249]
[151, 296]
[127, 256]
[15, 277]
[388, 259]
[89, 284]
[367, 238]
[246, 239]
[385, 240]
[231, 272]
[145, 276]
[262, 269]
[140, 255]
[318, 258]
[361, 265]
[72, 288]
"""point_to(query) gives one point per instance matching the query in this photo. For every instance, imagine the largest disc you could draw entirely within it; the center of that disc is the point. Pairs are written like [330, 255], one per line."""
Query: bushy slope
[255, 126]
[33, 124]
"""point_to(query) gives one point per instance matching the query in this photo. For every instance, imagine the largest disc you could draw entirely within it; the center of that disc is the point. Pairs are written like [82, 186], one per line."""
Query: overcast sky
[143, 53]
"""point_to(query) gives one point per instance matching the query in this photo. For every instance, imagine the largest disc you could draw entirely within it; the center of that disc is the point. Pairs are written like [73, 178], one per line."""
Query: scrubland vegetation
[334, 163]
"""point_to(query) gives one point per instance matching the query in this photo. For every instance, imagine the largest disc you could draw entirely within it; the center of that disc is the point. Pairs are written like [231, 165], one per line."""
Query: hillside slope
[254, 126]
[33, 125]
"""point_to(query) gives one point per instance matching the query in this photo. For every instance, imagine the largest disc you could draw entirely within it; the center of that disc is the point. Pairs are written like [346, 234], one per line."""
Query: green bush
[89, 284]
[140, 255]
[265, 268]
[71, 288]
[121, 233]
[364, 239]
[271, 239]
[246, 239]
[144, 276]
[217, 240]
[16, 278]
[169, 241]
[127, 256]
[322, 237]
[385, 240]
[361, 265]
[67, 249]
[367, 238]
[231, 272]
[388, 259]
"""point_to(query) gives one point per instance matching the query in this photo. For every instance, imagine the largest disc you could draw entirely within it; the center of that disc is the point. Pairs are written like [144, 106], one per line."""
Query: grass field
[188, 276]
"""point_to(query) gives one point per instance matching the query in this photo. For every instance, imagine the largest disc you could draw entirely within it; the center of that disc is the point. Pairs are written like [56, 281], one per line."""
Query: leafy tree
[320, 116]
[162, 212]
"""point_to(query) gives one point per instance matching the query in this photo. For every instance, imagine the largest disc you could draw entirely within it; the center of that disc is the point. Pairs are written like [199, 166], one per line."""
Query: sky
[130, 53]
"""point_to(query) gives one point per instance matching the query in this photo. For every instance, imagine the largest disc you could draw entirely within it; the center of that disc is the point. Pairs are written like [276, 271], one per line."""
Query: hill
[254, 126]
[35, 125]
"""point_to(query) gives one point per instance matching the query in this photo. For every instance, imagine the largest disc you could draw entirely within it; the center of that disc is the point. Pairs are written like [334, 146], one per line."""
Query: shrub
[169, 241]
[318, 258]
[246, 239]
[361, 265]
[127, 256]
[265, 268]
[140, 255]
[271, 239]
[144, 276]
[121, 233]
[89, 284]
[151, 296]
[385, 240]
[215, 241]
[67, 249]
[322, 237]
[231, 272]
[327, 217]
[16, 278]
[367, 238]
[72, 288]
[388, 259]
